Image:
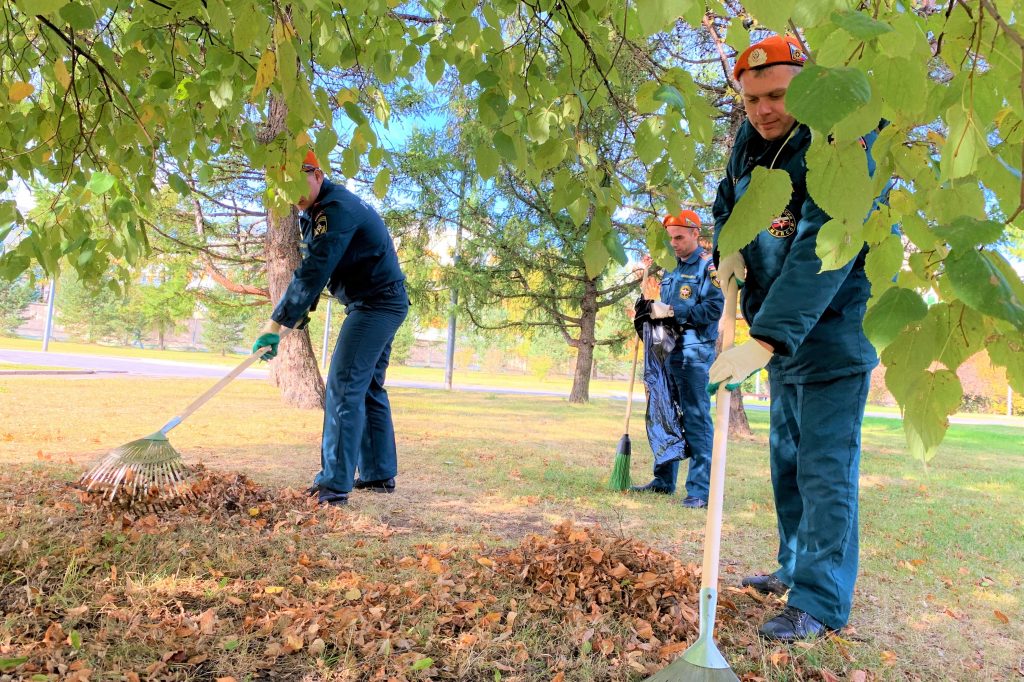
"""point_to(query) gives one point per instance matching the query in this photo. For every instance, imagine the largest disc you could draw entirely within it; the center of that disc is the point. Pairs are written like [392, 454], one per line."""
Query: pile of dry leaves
[241, 581]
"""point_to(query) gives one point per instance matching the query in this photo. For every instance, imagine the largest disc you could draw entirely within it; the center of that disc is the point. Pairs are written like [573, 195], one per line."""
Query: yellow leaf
[254, 511]
[353, 594]
[61, 73]
[265, 72]
[888, 658]
[273, 589]
[302, 139]
[432, 564]
[346, 95]
[19, 91]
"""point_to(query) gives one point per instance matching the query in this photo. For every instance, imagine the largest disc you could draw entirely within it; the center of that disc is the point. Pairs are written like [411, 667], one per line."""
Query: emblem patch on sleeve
[685, 291]
[714, 278]
[319, 225]
[783, 226]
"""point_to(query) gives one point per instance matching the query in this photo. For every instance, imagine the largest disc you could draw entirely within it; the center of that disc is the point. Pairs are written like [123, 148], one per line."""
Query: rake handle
[217, 387]
[716, 491]
[636, 356]
[632, 380]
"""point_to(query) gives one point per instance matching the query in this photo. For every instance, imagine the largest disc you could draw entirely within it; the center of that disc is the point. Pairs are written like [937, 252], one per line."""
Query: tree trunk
[738, 423]
[585, 346]
[294, 371]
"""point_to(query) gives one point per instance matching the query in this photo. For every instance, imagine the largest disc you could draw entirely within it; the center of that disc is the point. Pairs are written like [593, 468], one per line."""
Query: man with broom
[349, 250]
[806, 326]
[692, 297]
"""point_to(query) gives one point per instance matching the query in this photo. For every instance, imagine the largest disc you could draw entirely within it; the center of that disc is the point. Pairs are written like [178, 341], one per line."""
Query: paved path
[103, 365]
[100, 365]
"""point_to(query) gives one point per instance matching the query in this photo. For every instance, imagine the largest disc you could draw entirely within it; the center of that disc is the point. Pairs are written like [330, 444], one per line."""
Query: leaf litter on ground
[240, 580]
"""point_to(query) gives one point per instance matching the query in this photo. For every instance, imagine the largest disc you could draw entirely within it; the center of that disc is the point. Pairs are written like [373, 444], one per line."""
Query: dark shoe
[312, 490]
[692, 502]
[766, 584]
[386, 485]
[793, 624]
[654, 486]
[329, 497]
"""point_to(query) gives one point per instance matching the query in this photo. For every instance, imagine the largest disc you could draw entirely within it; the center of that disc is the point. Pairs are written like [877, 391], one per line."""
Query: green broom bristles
[620, 472]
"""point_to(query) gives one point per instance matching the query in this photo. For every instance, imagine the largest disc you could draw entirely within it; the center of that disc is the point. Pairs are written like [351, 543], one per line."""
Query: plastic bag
[664, 418]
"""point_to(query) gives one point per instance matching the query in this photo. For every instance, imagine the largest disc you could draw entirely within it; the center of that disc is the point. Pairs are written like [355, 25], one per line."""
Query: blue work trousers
[815, 464]
[689, 368]
[358, 431]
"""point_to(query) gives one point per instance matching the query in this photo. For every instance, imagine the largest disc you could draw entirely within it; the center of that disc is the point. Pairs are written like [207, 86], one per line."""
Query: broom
[702, 662]
[620, 471]
[149, 470]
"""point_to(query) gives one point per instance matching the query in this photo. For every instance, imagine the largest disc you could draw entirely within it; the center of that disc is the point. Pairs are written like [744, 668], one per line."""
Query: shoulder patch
[320, 225]
[714, 277]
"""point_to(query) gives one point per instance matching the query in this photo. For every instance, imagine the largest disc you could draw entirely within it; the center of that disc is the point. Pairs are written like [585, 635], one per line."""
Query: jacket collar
[693, 257]
[747, 136]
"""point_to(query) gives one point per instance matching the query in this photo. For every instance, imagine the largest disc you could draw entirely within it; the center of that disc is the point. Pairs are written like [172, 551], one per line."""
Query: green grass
[941, 546]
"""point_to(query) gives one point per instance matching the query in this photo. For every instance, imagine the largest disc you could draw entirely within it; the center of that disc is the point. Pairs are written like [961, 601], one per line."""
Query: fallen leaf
[858, 676]
[1001, 617]
[207, 620]
[273, 589]
[888, 658]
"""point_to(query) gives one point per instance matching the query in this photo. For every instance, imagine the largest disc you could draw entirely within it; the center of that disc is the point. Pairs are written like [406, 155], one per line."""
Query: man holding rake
[349, 250]
[806, 326]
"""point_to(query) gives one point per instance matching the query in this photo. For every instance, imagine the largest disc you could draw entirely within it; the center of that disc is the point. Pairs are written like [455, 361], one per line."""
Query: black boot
[332, 498]
[386, 485]
[793, 624]
[654, 486]
[766, 584]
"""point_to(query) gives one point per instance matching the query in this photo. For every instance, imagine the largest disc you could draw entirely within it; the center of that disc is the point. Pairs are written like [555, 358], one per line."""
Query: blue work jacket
[694, 293]
[813, 320]
[346, 248]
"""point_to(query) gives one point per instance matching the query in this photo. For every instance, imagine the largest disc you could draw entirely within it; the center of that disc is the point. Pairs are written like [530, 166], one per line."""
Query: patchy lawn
[502, 556]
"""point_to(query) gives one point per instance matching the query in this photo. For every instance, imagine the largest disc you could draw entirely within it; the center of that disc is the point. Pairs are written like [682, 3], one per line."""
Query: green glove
[268, 340]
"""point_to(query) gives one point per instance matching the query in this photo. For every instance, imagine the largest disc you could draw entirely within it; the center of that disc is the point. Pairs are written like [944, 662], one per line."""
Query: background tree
[107, 103]
[14, 299]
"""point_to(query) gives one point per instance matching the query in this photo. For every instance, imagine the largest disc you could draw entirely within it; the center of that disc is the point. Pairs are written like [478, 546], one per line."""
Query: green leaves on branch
[771, 13]
[822, 97]
[766, 197]
[987, 283]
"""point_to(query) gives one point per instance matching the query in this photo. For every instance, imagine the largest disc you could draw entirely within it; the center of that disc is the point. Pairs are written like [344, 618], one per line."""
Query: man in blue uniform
[348, 250]
[692, 297]
[806, 327]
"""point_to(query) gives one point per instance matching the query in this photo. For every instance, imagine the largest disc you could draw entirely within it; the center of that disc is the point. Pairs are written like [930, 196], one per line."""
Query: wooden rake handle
[716, 492]
[217, 387]
[632, 373]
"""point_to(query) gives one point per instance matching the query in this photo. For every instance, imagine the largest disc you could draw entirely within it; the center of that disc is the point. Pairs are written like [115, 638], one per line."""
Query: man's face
[684, 239]
[764, 96]
[315, 178]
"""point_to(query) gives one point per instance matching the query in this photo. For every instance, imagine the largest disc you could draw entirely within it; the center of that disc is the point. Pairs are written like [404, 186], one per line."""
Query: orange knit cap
[686, 218]
[310, 163]
[768, 52]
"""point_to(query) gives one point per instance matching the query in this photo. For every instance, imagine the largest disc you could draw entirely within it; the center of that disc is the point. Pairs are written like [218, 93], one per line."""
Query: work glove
[661, 310]
[732, 267]
[268, 340]
[736, 364]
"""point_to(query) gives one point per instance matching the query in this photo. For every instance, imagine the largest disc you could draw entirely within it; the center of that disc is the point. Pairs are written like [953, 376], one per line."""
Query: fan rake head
[146, 471]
